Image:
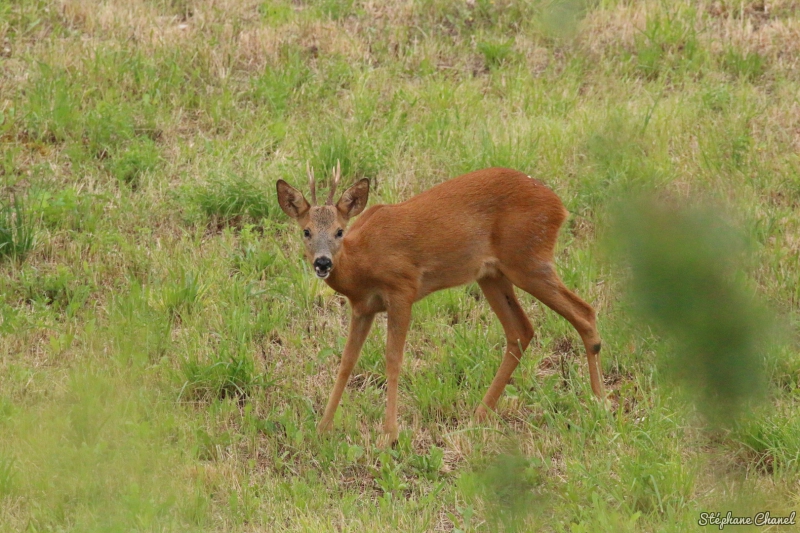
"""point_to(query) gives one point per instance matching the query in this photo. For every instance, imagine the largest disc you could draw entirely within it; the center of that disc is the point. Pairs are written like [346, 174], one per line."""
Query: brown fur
[495, 226]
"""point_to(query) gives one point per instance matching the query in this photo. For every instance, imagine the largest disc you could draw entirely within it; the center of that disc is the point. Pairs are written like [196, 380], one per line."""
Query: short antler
[311, 183]
[337, 174]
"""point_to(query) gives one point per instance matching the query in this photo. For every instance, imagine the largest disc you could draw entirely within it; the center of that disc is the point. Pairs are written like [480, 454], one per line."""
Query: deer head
[324, 225]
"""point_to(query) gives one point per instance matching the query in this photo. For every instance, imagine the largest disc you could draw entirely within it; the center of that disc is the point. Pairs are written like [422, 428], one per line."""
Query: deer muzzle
[323, 266]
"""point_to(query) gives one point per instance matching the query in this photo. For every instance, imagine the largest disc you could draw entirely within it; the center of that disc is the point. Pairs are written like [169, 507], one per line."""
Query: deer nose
[323, 263]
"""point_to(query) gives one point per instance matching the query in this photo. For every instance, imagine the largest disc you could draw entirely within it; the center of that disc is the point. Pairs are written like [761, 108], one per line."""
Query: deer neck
[343, 278]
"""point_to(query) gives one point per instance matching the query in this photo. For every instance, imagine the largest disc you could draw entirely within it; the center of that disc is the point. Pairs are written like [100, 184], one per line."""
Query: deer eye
[307, 233]
[339, 233]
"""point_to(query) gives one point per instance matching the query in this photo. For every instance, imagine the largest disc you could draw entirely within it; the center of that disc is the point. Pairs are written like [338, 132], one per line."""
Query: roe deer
[495, 226]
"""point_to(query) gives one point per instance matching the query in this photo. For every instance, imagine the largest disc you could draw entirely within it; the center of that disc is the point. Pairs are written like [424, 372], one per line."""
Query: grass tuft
[17, 228]
[231, 200]
[749, 66]
[130, 163]
[496, 54]
[356, 160]
[183, 294]
[225, 376]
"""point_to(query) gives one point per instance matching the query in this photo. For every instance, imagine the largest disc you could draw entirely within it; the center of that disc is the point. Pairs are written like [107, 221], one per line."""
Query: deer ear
[354, 199]
[291, 200]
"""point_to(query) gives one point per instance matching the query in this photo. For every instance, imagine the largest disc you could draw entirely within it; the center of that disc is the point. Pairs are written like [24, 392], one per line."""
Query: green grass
[17, 228]
[230, 199]
[166, 352]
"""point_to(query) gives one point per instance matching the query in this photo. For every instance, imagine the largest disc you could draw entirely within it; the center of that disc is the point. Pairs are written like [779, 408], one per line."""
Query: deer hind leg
[545, 285]
[499, 293]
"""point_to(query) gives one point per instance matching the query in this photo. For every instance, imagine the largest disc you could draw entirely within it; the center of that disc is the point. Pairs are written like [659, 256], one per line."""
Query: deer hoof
[324, 426]
[481, 414]
[387, 439]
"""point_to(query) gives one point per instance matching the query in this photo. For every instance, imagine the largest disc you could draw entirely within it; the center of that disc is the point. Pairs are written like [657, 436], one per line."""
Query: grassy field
[165, 351]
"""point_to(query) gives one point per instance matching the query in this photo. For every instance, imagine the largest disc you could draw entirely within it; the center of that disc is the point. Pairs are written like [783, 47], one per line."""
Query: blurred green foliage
[686, 280]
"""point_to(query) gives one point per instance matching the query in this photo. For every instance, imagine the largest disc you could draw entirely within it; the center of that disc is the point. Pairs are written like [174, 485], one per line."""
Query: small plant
[748, 65]
[496, 54]
[352, 452]
[462, 518]
[17, 229]
[389, 475]
[69, 209]
[183, 295]
[429, 465]
[137, 158]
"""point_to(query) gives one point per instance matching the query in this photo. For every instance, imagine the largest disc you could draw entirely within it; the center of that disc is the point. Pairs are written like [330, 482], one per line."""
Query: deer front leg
[360, 325]
[399, 317]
